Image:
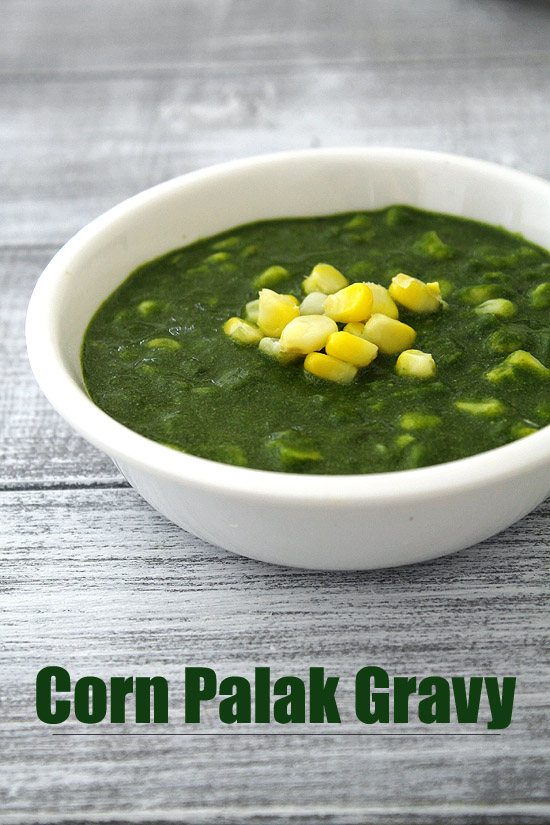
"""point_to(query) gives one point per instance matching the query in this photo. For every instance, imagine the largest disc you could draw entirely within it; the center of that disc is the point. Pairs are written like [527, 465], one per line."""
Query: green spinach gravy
[155, 356]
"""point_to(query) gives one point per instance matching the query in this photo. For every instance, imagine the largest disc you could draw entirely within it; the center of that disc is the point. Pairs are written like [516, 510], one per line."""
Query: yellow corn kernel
[414, 294]
[349, 305]
[351, 348]
[355, 328]
[313, 303]
[242, 331]
[433, 287]
[389, 335]
[329, 368]
[252, 310]
[307, 333]
[383, 303]
[272, 347]
[275, 312]
[324, 278]
[415, 364]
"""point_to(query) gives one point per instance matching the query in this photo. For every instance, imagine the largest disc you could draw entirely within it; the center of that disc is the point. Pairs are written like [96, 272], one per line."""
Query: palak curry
[355, 343]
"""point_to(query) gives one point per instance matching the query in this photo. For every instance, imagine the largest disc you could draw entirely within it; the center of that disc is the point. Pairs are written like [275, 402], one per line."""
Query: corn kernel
[272, 347]
[271, 276]
[419, 421]
[433, 287]
[307, 333]
[313, 303]
[414, 294]
[251, 311]
[518, 360]
[404, 440]
[242, 331]
[487, 409]
[497, 306]
[521, 431]
[415, 364]
[148, 307]
[163, 343]
[540, 296]
[383, 303]
[351, 304]
[275, 312]
[355, 328]
[218, 257]
[521, 359]
[351, 348]
[324, 278]
[329, 368]
[389, 335]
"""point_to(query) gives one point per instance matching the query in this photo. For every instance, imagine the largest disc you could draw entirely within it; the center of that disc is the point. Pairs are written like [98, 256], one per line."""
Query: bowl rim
[128, 447]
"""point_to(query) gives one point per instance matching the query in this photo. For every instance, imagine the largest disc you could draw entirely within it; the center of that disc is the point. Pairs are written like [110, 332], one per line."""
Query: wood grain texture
[98, 101]
[109, 36]
[37, 448]
[150, 599]
[106, 138]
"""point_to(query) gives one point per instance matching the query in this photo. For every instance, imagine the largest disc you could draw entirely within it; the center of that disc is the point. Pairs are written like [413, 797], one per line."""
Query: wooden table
[99, 100]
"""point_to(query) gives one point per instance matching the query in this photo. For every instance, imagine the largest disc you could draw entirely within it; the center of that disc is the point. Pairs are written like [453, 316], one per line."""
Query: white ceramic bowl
[325, 522]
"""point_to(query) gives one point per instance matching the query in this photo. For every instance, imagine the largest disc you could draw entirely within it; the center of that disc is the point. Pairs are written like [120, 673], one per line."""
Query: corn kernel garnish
[414, 363]
[351, 348]
[329, 368]
[414, 294]
[383, 303]
[242, 331]
[349, 305]
[275, 312]
[307, 333]
[389, 335]
[354, 328]
[272, 347]
[339, 327]
[313, 303]
[324, 278]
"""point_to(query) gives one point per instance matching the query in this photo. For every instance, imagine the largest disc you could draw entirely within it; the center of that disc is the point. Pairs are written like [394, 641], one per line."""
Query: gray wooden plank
[96, 581]
[56, 35]
[97, 101]
[36, 447]
[74, 147]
